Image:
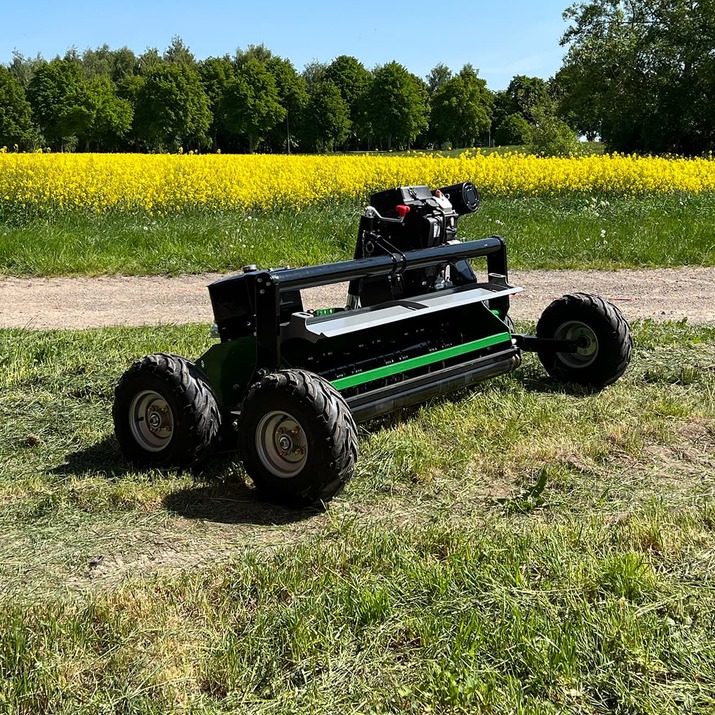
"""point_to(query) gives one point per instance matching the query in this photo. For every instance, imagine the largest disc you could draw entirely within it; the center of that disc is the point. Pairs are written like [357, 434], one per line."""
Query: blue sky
[501, 39]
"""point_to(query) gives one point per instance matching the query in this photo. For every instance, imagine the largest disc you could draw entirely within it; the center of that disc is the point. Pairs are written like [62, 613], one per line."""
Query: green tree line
[638, 75]
[115, 100]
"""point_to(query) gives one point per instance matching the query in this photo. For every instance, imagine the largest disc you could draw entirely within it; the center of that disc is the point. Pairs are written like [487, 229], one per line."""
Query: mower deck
[286, 386]
[311, 327]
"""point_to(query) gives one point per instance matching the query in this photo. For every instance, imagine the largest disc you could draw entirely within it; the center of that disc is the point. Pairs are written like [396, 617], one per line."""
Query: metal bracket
[268, 350]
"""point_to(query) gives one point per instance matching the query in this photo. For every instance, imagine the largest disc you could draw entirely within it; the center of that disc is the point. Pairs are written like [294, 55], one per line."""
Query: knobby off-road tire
[604, 332]
[165, 412]
[297, 437]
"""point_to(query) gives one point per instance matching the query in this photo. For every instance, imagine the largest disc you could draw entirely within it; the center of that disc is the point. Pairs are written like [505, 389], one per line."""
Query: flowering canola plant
[44, 184]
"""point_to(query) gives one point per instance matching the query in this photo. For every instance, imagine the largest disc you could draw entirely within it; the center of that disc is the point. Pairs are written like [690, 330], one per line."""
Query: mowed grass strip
[519, 547]
[564, 231]
[573, 616]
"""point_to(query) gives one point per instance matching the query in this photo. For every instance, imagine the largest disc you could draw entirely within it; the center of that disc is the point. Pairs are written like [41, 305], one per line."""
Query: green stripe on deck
[378, 373]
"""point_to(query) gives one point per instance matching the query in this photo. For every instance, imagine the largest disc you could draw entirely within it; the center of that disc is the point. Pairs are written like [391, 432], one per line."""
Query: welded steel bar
[311, 276]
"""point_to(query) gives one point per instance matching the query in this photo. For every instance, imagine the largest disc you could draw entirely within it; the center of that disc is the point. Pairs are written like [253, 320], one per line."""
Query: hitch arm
[532, 343]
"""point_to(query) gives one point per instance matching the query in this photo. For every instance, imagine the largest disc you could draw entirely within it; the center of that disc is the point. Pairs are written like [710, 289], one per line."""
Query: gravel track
[48, 303]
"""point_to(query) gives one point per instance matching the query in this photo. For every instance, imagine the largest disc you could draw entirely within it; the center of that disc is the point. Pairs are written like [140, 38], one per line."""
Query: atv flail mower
[285, 386]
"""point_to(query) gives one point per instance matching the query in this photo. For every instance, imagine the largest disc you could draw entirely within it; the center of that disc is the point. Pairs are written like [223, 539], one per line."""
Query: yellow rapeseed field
[46, 183]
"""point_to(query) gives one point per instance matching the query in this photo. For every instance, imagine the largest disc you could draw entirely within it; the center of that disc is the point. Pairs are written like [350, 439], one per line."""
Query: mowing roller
[286, 386]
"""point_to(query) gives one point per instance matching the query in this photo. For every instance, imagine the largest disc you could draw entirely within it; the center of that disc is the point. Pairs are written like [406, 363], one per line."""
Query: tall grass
[572, 231]
[529, 618]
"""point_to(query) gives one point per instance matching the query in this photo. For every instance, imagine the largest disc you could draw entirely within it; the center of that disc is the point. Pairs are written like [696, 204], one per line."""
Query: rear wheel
[604, 337]
[165, 412]
[297, 437]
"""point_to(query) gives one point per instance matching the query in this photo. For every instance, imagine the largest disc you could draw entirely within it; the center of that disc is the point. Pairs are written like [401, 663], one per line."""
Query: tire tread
[609, 318]
[198, 408]
[327, 406]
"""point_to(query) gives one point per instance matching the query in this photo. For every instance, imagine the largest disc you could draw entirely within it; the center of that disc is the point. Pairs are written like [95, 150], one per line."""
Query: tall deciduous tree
[525, 94]
[254, 52]
[513, 129]
[349, 76]
[326, 122]
[179, 53]
[112, 116]
[641, 74]
[172, 108]
[124, 64]
[130, 89]
[216, 73]
[438, 75]
[398, 105]
[352, 80]
[50, 91]
[69, 108]
[461, 109]
[526, 109]
[148, 61]
[105, 62]
[94, 114]
[15, 112]
[314, 72]
[293, 97]
[251, 104]
[23, 68]
[97, 63]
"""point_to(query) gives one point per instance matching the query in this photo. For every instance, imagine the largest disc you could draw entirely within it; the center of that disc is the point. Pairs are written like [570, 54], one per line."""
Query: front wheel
[297, 437]
[603, 334]
[165, 412]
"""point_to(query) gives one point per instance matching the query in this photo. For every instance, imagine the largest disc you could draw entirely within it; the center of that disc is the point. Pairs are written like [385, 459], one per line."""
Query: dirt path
[41, 303]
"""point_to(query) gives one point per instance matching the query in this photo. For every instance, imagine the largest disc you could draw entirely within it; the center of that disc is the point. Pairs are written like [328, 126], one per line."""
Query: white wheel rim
[151, 421]
[587, 352]
[281, 444]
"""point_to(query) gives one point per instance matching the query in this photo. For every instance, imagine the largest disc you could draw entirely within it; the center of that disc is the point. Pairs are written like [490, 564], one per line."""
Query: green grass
[575, 231]
[517, 548]
[605, 233]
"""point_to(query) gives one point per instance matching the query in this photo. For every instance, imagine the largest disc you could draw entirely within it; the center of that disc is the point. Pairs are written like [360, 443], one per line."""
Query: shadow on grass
[103, 457]
[533, 378]
[234, 503]
[219, 492]
[550, 386]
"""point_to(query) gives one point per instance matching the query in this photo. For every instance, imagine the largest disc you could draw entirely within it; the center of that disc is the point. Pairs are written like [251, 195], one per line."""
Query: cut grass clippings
[521, 547]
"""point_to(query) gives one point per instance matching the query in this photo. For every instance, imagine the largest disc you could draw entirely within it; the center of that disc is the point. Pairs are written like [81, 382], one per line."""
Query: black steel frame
[270, 284]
